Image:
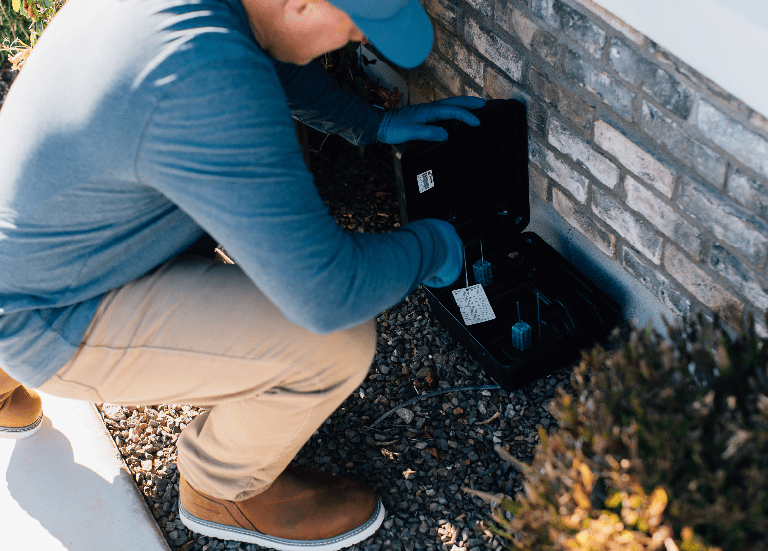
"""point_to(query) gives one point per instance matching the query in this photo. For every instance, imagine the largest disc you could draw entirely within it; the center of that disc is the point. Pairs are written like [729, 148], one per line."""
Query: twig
[489, 498]
[506, 456]
[429, 395]
[319, 149]
[495, 416]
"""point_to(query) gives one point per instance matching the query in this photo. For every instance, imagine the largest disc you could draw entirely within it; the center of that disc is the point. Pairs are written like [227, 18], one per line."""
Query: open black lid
[477, 179]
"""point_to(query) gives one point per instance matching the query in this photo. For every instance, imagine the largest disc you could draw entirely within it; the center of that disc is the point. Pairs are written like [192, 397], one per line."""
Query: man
[135, 128]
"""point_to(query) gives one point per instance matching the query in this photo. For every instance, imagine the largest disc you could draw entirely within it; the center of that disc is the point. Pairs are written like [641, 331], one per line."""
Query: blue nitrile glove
[451, 269]
[410, 123]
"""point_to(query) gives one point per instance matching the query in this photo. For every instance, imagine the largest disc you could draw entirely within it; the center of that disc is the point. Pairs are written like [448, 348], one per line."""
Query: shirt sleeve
[221, 146]
[317, 99]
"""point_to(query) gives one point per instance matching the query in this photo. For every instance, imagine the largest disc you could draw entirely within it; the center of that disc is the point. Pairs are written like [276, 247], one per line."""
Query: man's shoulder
[110, 61]
[142, 43]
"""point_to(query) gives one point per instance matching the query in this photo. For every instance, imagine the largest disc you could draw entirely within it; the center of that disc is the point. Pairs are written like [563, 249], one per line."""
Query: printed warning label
[473, 304]
[426, 181]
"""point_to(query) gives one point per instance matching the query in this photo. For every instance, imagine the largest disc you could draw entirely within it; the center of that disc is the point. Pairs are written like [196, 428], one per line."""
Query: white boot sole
[19, 433]
[225, 532]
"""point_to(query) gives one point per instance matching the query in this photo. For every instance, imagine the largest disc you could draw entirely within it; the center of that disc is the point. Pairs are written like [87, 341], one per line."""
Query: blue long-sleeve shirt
[138, 125]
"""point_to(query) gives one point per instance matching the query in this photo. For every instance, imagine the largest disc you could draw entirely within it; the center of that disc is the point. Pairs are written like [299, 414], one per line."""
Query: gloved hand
[451, 269]
[409, 123]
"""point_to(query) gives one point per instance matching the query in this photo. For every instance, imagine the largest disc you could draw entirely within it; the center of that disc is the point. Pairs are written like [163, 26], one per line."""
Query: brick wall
[665, 173]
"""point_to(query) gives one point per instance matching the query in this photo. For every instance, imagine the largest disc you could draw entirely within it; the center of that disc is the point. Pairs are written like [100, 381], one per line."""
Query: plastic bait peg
[482, 270]
[521, 333]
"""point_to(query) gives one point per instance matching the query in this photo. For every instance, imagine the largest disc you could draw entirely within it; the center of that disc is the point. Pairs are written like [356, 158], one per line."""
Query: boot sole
[19, 433]
[225, 532]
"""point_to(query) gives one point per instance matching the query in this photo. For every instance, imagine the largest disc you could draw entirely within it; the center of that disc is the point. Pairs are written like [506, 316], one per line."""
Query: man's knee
[356, 350]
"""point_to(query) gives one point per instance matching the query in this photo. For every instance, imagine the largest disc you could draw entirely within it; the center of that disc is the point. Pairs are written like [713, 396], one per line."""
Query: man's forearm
[317, 99]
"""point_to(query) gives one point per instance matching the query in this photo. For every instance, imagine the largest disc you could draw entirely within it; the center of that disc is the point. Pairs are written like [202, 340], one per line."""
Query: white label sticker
[473, 304]
[426, 181]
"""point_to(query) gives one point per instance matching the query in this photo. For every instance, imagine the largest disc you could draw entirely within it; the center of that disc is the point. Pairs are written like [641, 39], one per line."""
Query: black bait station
[522, 310]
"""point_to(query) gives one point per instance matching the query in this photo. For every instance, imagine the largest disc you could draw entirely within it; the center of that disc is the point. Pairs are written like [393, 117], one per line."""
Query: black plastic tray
[480, 185]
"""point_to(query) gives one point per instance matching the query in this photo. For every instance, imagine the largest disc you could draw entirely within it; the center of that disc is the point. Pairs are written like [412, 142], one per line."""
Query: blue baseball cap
[399, 29]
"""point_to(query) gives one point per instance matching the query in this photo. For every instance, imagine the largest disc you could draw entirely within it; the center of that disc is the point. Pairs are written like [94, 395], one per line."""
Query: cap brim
[405, 38]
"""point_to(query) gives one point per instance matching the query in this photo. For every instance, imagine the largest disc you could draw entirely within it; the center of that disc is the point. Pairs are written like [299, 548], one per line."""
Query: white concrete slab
[66, 488]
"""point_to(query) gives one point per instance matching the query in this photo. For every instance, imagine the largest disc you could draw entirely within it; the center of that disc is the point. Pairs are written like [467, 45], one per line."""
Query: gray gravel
[417, 459]
[417, 463]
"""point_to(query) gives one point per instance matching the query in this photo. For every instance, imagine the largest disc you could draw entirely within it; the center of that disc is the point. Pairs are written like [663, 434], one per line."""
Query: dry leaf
[395, 456]
[391, 97]
[432, 378]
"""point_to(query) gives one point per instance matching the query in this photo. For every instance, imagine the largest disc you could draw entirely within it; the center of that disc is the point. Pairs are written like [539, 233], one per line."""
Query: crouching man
[135, 128]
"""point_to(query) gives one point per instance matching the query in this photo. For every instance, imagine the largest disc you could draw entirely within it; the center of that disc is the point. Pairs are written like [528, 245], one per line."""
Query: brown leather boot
[301, 510]
[21, 410]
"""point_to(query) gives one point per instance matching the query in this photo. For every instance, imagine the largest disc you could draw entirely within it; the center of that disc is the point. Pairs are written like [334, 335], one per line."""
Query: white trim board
[725, 40]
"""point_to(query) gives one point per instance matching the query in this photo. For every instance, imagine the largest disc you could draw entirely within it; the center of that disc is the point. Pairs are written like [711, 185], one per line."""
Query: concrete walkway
[66, 488]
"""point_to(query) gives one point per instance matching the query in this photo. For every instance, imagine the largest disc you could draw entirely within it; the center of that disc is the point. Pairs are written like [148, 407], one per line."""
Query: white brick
[662, 216]
[517, 23]
[577, 149]
[743, 278]
[610, 90]
[467, 61]
[469, 90]
[634, 158]
[760, 122]
[573, 23]
[746, 146]
[493, 48]
[629, 226]
[483, 6]
[603, 240]
[703, 287]
[445, 11]
[614, 21]
[708, 163]
[530, 34]
[558, 170]
[444, 73]
[498, 86]
[651, 277]
[750, 192]
[731, 224]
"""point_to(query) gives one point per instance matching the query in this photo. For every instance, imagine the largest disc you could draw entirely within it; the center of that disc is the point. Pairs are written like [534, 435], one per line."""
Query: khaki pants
[200, 333]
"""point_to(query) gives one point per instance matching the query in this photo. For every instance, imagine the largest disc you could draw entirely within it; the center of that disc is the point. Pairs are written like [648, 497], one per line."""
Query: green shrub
[662, 445]
[14, 28]
[22, 22]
